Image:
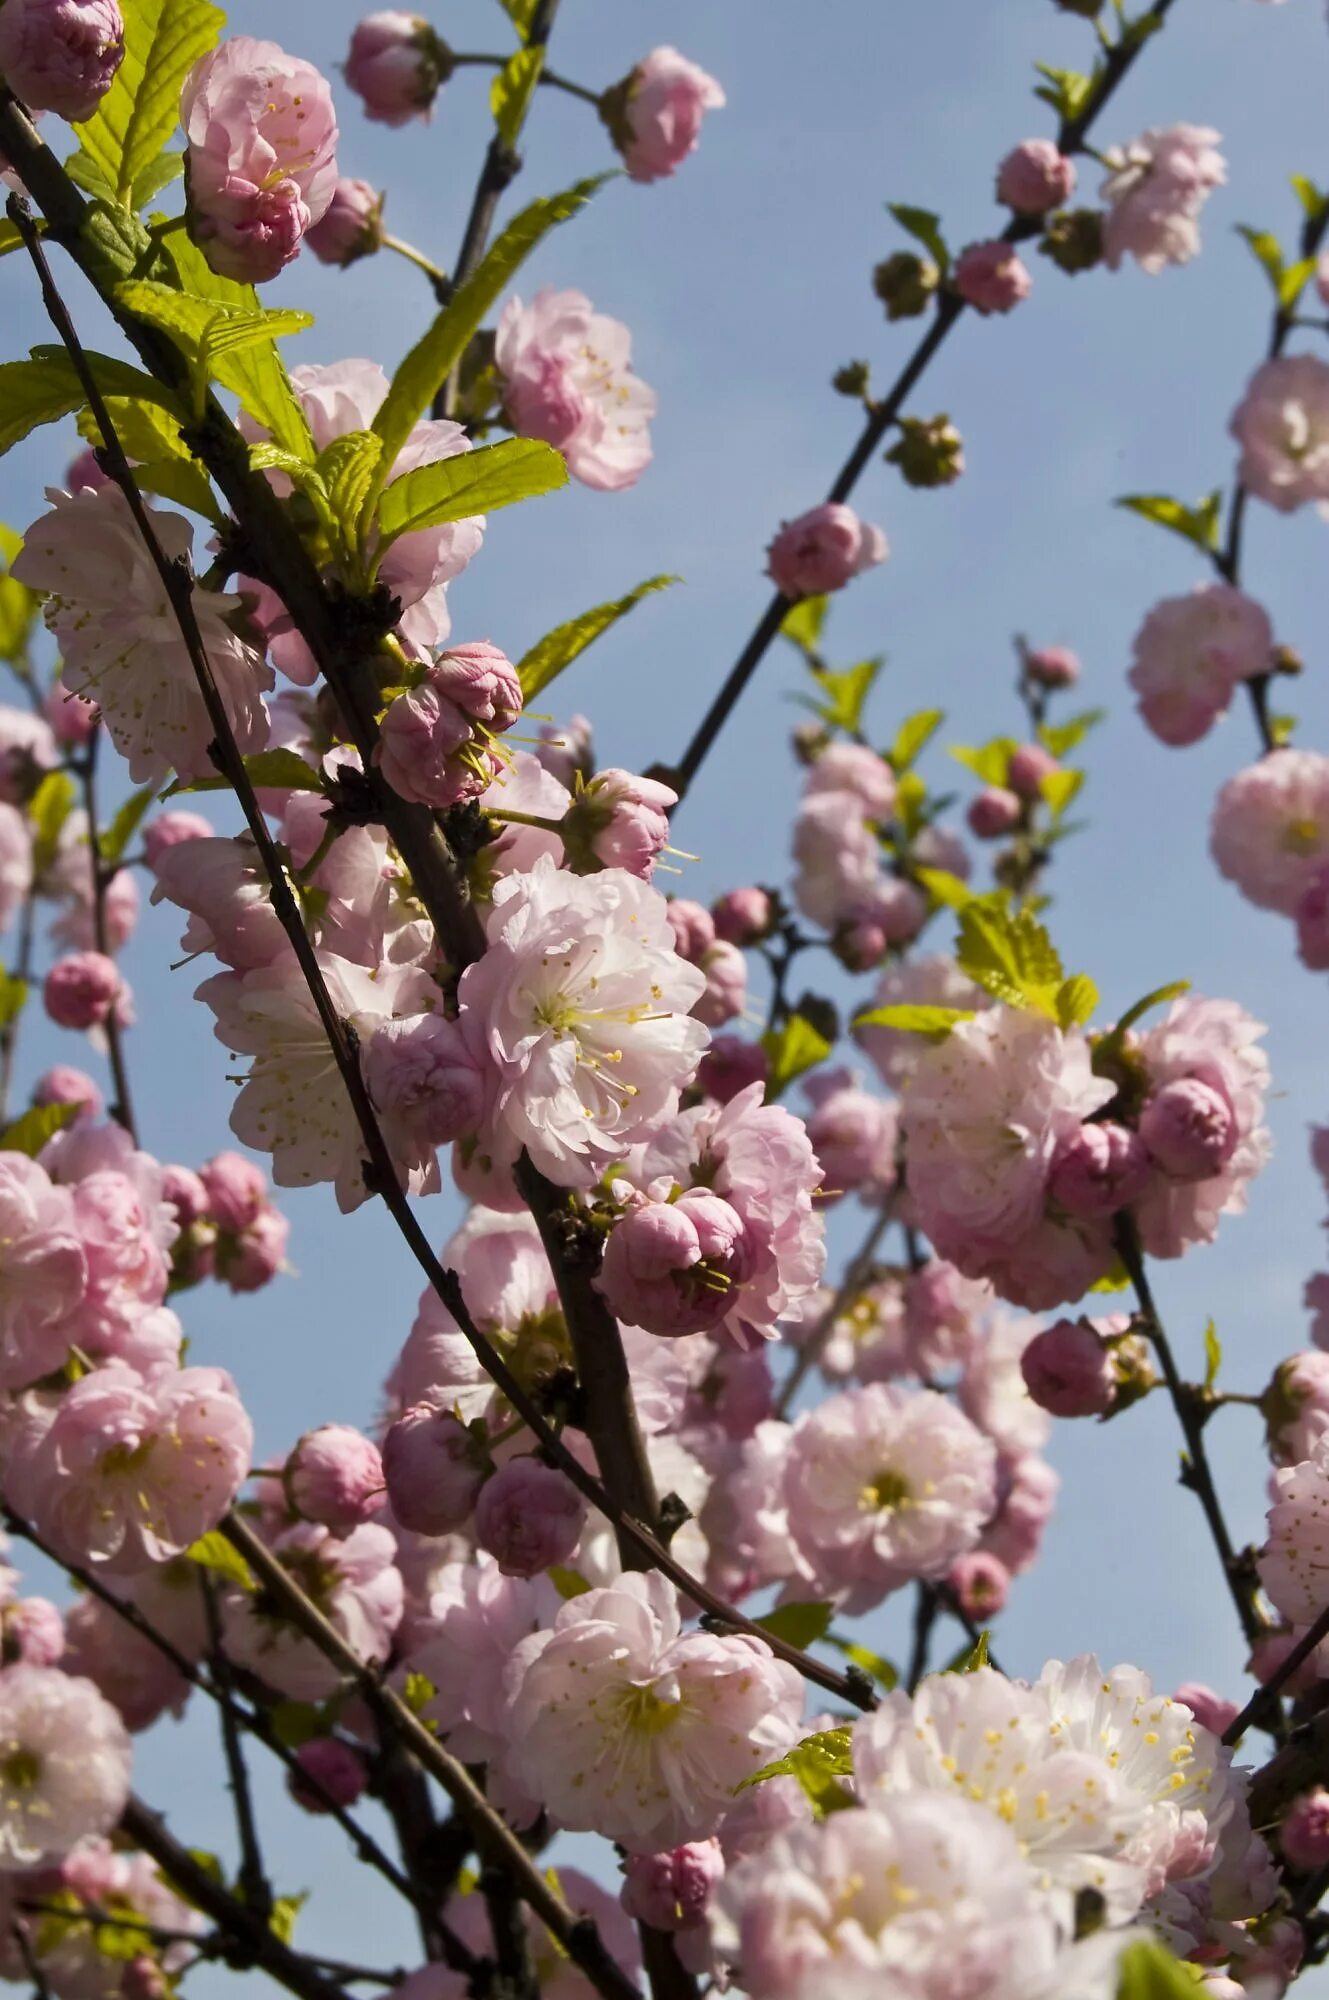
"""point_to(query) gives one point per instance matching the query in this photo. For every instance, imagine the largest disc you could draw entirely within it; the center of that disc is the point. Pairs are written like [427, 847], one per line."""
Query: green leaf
[1147, 1970]
[89, 177]
[285, 1910]
[945, 889]
[346, 466]
[511, 92]
[18, 604]
[913, 737]
[48, 809]
[567, 1582]
[802, 623]
[213, 334]
[256, 375]
[1294, 281]
[473, 482]
[139, 113]
[819, 1763]
[215, 1554]
[1060, 738]
[1267, 251]
[925, 228]
[167, 167]
[45, 388]
[229, 333]
[176, 480]
[989, 762]
[1198, 524]
[1312, 201]
[433, 358]
[1213, 1355]
[30, 1133]
[1077, 998]
[969, 1661]
[910, 1018]
[521, 13]
[798, 1624]
[1172, 991]
[881, 1670]
[280, 770]
[9, 238]
[13, 997]
[1011, 956]
[793, 1048]
[1066, 90]
[846, 694]
[112, 844]
[1058, 789]
[1115, 1280]
[559, 648]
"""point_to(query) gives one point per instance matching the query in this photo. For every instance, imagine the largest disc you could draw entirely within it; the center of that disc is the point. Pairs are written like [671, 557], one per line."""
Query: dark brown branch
[122, 1106]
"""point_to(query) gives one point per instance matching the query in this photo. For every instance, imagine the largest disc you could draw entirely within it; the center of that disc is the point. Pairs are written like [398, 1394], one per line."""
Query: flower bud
[61, 55]
[63, 1085]
[981, 1584]
[1067, 1370]
[168, 829]
[930, 451]
[1295, 1406]
[1267, 1657]
[351, 226]
[528, 1516]
[252, 1259]
[693, 927]
[335, 1477]
[653, 115]
[565, 749]
[743, 916]
[1102, 1168]
[1210, 1710]
[1052, 666]
[990, 277]
[854, 379]
[730, 1065]
[905, 284]
[425, 1071]
[84, 472]
[673, 1891]
[1035, 177]
[1073, 239]
[1190, 1129]
[860, 945]
[81, 990]
[73, 720]
[184, 1191]
[435, 739]
[669, 1266]
[822, 550]
[1029, 765]
[434, 1468]
[618, 820]
[994, 813]
[396, 65]
[726, 990]
[338, 1774]
[1304, 1834]
[237, 1190]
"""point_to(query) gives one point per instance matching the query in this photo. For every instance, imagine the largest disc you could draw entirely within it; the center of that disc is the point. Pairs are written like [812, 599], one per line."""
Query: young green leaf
[346, 467]
[1060, 738]
[511, 92]
[913, 737]
[48, 809]
[802, 623]
[925, 228]
[281, 770]
[282, 1916]
[165, 169]
[521, 13]
[140, 111]
[13, 997]
[1198, 524]
[1058, 789]
[1213, 1355]
[214, 1553]
[948, 891]
[18, 605]
[256, 374]
[798, 1624]
[559, 648]
[1267, 251]
[1147, 1970]
[1011, 956]
[1172, 991]
[792, 1049]
[969, 1659]
[1066, 90]
[912, 1018]
[112, 844]
[1312, 201]
[819, 1763]
[45, 388]
[567, 1582]
[474, 482]
[32, 1131]
[846, 694]
[989, 762]
[1077, 998]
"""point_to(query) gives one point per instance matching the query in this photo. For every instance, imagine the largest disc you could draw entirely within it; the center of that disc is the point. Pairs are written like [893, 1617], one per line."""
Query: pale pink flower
[726, 991]
[743, 916]
[131, 1472]
[261, 158]
[884, 1486]
[853, 1135]
[121, 641]
[433, 1468]
[932, 981]
[43, 1271]
[852, 767]
[943, 1315]
[673, 1890]
[431, 1074]
[84, 990]
[991, 277]
[66, 1756]
[586, 1005]
[1270, 832]
[1294, 1564]
[395, 65]
[1098, 1170]
[1155, 189]
[528, 1516]
[729, 1066]
[837, 857]
[223, 886]
[992, 1389]
[1191, 654]
[356, 1585]
[133, 1674]
[1282, 426]
[61, 55]
[293, 1103]
[1027, 1493]
[623, 1725]
[62, 1084]
[477, 1620]
[1304, 1834]
[566, 373]
[981, 1583]
[351, 226]
[655, 114]
[334, 1476]
[126, 1228]
[71, 877]
[1213, 1043]
[1035, 177]
[1214, 1711]
[822, 550]
[167, 829]
[523, 787]
[505, 1278]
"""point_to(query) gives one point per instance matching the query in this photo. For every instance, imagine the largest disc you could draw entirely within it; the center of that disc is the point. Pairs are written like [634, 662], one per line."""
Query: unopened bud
[852, 379]
[930, 451]
[1073, 240]
[1287, 660]
[905, 283]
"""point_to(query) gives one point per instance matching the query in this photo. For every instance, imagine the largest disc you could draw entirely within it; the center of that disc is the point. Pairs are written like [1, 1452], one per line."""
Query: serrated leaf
[568, 1583]
[256, 375]
[521, 13]
[139, 113]
[511, 92]
[346, 466]
[274, 770]
[165, 169]
[846, 693]
[913, 737]
[215, 1554]
[229, 333]
[948, 891]
[174, 479]
[1146, 1970]
[1009, 955]
[1060, 738]
[13, 997]
[472, 482]
[1077, 998]
[989, 762]
[798, 1625]
[433, 358]
[881, 1670]
[45, 388]
[30, 1133]
[86, 174]
[48, 809]
[819, 1763]
[1213, 1355]
[914, 1018]
[285, 1910]
[1198, 524]
[1058, 789]
[112, 844]
[925, 228]
[802, 623]
[792, 1049]
[558, 649]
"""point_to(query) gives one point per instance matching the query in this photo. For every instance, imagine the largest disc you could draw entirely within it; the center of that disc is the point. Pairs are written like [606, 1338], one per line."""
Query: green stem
[432, 271]
[547, 76]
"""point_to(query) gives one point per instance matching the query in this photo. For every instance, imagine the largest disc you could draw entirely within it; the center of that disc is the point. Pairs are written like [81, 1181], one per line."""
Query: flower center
[645, 1713]
[21, 1769]
[1302, 836]
[885, 1493]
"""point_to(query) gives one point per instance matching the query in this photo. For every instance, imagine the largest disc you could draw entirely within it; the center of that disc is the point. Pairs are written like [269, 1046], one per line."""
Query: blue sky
[746, 282]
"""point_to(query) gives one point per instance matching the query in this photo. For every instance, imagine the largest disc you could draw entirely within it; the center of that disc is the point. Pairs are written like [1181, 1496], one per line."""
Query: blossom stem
[525, 819]
[122, 1110]
[433, 271]
[884, 413]
[547, 76]
[253, 1877]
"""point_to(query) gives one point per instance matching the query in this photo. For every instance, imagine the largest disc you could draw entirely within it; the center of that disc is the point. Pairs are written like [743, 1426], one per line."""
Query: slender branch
[547, 76]
[122, 1109]
[926, 1606]
[1266, 1696]
[253, 1878]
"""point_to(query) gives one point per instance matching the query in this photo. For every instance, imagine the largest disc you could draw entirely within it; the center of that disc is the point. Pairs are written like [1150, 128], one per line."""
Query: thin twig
[122, 1106]
[925, 1617]
[253, 1878]
[1266, 1696]
[548, 77]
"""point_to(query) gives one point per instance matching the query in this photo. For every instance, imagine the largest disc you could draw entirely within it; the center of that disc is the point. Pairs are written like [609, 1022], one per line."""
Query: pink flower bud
[183, 1190]
[1035, 177]
[338, 1773]
[1052, 667]
[33, 1630]
[1295, 1406]
[618, 821]
[1100, 1169]
[1312, 916]
[81, 990]
[528, 1516]
[673, 1891]
[993, 813]
[1304, 1834]
[726, 991]
[237, 1191]
[693, 927]
[168, 829]
[1190, 1129]
[63, 1085]
[669, 1266]
[396, 64]
[335, 1477]
[860, 945]
[425, 1071]
[351, 226]
[1028, 767]
[1210, 1710]
[435, 739]
[981, 1584]
[252, 1259]
[730, 1065]
[743, 916]
[73, 721]
[822, 549]
[434, 1469]
[1067, 1369]
[61, 55]
[654, 115]
[990, 277]
[84, 472]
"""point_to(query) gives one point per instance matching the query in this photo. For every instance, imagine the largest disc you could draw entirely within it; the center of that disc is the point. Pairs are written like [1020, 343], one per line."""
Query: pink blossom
[931, 981]
[167, 829]
[994, 813]
[261, 160]
[72, 1750]
[224, 887]
[334, 1476]
[622, 1724]
[528, 1516]
[120, 639]
[435, 742]
[990, 277]
[1027, 1491]
[477, 1620]
[822, 549]
[1294, 1566]
[618, 820]
[654, 115]
[884, 1486]
[1035, 177]
[837, 857]
[943, 1310]
[1029, 765]
[1211, 1711]
[1191, 654]
[743, 916]
[43, 1271]
[853, 1135]
[1155, 189]
[395, 65]
[1099, 1169]
[329, 1770]
[852, 767]
[1052, 666]
[126, 1229]
[34, 1631]
[133, 1674]
[726, 991]
[1304, 1834]
[129, 1472]
[434, 1468]
[61, 55]
[430, 1073]
[63, 1085]
[586, 1008]
[1068, 1370]
[1270, 832]
[565, 749]
[566, 374]
[981, 1584]
[670, 1266]
[351, 226]
[84, 990]
[672, 1891]
[1189, 1128]
[15, 862]
[729, 1066]
[693, 927]
[992, 1390]
[1282, 426]
[356, 1585]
